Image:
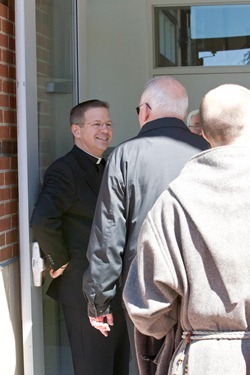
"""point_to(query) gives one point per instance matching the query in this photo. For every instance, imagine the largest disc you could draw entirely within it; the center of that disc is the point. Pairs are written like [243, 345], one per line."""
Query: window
[168, 31]
[202, 35]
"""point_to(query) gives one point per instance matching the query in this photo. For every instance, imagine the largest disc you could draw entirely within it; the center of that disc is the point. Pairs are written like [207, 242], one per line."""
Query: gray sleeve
[106, 244]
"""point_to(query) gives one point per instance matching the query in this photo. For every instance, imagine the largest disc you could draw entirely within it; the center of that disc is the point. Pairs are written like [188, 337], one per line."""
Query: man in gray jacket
[193, 260]
[136, 173]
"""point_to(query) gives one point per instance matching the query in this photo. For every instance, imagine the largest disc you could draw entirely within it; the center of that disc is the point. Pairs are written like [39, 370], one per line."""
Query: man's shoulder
[64, 163]
[125, 149]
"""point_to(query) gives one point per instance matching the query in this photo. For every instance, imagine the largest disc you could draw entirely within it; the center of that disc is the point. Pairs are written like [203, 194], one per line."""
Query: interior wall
[117, 57]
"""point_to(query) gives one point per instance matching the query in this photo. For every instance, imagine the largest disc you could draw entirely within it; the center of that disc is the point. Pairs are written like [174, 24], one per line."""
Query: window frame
[156, 71]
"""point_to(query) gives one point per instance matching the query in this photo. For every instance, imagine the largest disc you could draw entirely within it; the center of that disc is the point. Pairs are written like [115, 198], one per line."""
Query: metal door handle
[38, 265]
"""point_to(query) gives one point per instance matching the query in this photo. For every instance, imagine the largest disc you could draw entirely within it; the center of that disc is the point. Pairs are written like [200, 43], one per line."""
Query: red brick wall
[8, 135]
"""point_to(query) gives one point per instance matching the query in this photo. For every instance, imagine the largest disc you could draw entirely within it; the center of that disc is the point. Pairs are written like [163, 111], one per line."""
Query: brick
[4, 40]
[14, 148]
[4, 71]
[8, 134]
[2, 209]
[6, 253]
[4, 162]
[8, 57]
[12, 43]
[14, 221]
[45, 55]
[5, 147]
[4, 132]
[7, 27]
[13, 163]
[12, 72]
[3, 9]
[9, 87]
[5, 224]
[10, 207]
[15, 250]
[42, 68]
[14, 192]
[9, 117]
[5, 194]
[41, 40]
[2, 239]
[4, 100]
[12, 10]
[11, 237]
[13, 132]
[10, 178]
[12, 101]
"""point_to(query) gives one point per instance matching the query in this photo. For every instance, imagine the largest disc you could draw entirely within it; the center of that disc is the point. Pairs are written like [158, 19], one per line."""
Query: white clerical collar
[98, 159]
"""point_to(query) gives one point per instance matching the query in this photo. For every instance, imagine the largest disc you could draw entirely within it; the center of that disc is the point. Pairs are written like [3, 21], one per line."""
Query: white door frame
[28, 169]
[27, 139]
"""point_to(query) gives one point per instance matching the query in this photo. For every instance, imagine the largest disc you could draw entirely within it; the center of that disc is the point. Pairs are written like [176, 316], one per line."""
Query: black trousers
[93, 353]
[134, 369]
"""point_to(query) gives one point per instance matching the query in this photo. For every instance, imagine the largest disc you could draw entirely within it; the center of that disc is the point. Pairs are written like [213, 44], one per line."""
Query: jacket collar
[164, 122]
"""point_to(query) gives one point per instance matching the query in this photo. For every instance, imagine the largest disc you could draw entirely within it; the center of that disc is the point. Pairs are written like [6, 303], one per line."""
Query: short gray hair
[190, 115]
[166, 96]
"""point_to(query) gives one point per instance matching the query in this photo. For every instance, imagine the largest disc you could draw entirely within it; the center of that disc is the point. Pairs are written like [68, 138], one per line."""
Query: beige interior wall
[116, 57]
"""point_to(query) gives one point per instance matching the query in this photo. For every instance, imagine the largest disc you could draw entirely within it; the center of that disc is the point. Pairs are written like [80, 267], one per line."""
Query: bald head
[225, 115]
[166, 97]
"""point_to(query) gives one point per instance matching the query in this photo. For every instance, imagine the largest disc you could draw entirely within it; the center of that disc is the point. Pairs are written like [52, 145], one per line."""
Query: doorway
[57, 93]
[104, 74]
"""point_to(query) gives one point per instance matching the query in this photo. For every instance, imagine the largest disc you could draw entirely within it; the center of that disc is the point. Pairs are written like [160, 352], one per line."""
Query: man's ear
[75, 129]
[206, 138]
[144, 115]
[147, 113]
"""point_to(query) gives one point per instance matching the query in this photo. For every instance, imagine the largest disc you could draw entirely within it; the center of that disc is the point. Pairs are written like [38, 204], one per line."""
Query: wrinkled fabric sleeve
[57, 196]
[156, 279]
[106, 244]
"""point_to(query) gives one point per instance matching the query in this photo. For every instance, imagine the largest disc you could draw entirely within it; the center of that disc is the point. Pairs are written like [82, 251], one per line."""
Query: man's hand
[102, 323]
[58, 272]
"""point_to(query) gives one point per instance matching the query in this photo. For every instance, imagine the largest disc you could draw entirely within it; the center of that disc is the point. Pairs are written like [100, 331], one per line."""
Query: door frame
[27, 138]
[28, 172]
[28, 166]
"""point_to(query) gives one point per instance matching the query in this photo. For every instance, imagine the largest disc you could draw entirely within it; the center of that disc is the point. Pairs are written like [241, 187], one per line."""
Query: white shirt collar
[98, 159]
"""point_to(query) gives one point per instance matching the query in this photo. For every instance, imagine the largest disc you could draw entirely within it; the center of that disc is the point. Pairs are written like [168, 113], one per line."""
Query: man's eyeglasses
[194, 126]
[98, 125]
[138, 108]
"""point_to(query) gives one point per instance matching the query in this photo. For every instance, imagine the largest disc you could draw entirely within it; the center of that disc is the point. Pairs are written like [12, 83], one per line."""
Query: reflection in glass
[202, 35]
[57, 94]
[56, 77]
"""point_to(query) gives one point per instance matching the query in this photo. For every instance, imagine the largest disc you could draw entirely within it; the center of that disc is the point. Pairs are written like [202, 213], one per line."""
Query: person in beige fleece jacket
[193, 262]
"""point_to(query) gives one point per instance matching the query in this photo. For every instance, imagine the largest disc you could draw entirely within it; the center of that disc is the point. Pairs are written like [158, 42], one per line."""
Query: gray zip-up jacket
[136, 173]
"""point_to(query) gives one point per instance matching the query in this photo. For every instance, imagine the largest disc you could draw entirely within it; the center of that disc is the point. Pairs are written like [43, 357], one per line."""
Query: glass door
[57, 94]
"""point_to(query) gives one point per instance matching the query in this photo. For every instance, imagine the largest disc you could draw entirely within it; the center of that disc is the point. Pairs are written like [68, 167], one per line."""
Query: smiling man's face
[94, 134]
